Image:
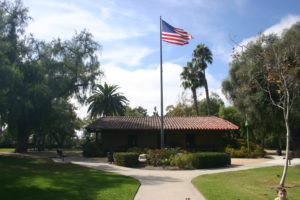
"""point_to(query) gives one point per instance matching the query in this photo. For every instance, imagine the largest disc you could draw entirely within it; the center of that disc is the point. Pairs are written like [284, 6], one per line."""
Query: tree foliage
[264, 81]
[34, 74]
[192, 77]
[137, 111]
[183, 108]
[201, 57]
[106, 101]
[193, 74]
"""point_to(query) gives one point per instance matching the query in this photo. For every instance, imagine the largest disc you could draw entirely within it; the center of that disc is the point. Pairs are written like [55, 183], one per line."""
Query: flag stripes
[174, 35]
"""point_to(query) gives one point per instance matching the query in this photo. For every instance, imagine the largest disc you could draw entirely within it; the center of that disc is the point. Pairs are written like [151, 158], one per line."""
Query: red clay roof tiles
[153, 123]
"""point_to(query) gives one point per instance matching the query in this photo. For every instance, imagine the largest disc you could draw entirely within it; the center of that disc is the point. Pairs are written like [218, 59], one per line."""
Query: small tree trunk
[207, 95]
[22, 140]
[195, 101]
[286, 119]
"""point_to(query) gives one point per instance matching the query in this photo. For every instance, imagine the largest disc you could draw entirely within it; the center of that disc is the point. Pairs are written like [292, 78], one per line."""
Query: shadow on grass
[24, 178]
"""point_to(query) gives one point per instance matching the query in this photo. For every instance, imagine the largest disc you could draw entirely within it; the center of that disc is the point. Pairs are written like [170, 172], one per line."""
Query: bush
[183, 161]
[240, 150]
[210, 160]
[201, 160]
[159, 157]
[92, 149]
[126, 159]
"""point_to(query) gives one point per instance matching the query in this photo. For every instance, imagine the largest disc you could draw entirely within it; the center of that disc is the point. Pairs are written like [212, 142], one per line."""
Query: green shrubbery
[184, 160]
[239, 150]
[92, 149]
[162, 157]
[201, 160]
[126, 159]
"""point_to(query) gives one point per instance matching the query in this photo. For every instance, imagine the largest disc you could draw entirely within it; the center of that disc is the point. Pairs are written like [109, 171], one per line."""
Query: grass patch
[36, 179]
[7, 149]
[251, 184]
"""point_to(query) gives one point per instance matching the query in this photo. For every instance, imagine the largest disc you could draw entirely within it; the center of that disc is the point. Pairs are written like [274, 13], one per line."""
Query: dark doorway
[190, 140]
[132, 140]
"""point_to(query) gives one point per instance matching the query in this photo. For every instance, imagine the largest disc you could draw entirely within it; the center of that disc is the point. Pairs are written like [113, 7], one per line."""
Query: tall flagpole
[162, 142]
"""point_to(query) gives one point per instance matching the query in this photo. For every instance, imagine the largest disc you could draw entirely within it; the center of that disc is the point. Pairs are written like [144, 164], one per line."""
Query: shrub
[126, 159]
[240, 150]
[201, 160]
[154, 157]
[159, 157]
[210, 160]
[92, 149]
[183, 161]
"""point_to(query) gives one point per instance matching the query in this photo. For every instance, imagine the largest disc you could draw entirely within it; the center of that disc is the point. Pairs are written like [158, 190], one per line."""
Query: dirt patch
[246, 161]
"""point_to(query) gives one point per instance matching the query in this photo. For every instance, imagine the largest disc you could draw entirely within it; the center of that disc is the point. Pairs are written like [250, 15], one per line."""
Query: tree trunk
[286, 120]
[22, 140]
[207, 95]
[195, 101]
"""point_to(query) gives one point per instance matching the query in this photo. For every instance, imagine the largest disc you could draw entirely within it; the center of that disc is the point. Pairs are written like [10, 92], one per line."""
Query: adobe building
[193, 133]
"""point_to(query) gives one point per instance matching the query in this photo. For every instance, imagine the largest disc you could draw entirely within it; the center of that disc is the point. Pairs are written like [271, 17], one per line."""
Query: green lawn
[251, 184]
[7, 149]
[36, 179]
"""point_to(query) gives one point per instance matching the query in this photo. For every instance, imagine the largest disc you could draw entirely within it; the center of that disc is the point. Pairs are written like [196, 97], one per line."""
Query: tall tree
[106, 101]
[201, 57]
[62, 122]
[33, 74]
[273, 65]
[192, 78]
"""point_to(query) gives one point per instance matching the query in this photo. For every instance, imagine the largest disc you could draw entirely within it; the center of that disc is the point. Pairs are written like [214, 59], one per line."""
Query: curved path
[169, 184]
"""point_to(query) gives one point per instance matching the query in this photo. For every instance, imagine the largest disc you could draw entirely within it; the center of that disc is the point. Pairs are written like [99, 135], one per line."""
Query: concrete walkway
[170, 184]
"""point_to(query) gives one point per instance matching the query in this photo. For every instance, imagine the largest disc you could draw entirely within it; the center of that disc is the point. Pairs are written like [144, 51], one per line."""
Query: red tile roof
[153, 123]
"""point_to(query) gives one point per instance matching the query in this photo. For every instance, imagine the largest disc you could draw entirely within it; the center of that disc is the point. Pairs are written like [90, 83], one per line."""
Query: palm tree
[202, 55]
[192, 78]
[105, 101]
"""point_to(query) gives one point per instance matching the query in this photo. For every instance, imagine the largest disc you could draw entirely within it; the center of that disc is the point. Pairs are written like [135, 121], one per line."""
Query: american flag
[174, 35]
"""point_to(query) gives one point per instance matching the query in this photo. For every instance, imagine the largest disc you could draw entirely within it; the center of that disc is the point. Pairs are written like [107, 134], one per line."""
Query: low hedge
[126, 159]
[201, 160]
[210, 160]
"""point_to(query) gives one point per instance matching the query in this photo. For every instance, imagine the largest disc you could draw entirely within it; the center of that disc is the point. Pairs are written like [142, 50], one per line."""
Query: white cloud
[142, 86]
[55, 19]
[128, 55]
[285, 23]
[223, 53]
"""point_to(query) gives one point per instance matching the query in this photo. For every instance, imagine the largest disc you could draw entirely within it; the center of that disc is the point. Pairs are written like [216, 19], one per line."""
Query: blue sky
[129, 34]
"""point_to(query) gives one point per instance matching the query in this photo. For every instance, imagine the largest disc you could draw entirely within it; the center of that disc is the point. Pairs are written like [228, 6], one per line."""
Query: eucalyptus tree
[202, 56]
[106, 101]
